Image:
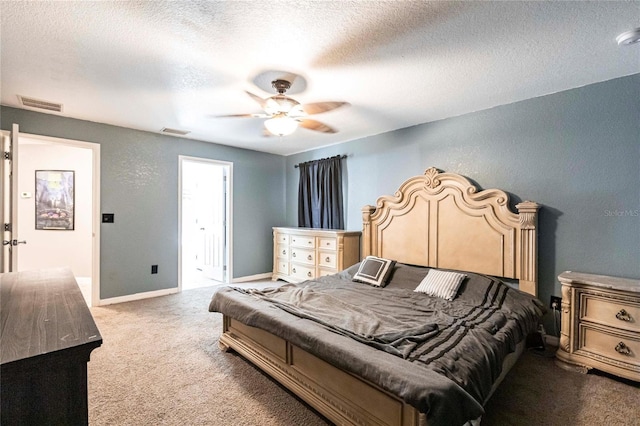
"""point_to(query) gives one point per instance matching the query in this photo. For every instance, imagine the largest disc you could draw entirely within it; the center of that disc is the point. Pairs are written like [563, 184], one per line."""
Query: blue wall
[139, 183]
[576, 152]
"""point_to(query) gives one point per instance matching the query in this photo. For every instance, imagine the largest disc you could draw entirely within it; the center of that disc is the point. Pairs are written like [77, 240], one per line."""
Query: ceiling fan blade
[260, 115]
[258, 99]
[316, 126]
[318, 107]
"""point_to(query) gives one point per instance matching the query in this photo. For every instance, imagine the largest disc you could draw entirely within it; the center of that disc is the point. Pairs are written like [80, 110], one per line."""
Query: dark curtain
[320, 194]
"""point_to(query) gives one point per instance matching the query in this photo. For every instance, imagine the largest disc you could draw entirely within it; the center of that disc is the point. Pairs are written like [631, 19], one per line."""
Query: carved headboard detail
[441, 220]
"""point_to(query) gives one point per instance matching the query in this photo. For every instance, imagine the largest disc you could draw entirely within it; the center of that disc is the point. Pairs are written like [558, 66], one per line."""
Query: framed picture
[55, 191]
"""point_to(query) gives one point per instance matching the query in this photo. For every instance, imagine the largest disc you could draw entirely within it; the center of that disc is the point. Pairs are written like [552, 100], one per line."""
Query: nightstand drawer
[608, 311]
[301, 241]
[611, 345]
[303, 256]
[302, 272]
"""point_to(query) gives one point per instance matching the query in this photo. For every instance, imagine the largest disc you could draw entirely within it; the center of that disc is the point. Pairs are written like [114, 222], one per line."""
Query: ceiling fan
[284, 114]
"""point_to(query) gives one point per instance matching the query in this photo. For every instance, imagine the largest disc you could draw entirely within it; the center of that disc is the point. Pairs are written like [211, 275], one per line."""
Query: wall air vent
[176, 132]
[39, 104]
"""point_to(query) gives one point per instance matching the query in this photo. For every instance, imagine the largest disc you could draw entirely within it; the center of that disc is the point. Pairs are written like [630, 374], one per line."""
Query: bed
[388, 355]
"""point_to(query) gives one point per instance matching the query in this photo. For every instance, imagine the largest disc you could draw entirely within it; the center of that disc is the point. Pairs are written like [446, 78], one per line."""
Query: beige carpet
[160, 365]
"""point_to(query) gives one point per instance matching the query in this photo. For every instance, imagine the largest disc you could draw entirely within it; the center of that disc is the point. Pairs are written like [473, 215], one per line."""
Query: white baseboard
[257, 277]
[137, 296]
[165, 292]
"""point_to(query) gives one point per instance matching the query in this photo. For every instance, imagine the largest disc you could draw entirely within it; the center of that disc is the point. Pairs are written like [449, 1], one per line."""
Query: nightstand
[600, 324]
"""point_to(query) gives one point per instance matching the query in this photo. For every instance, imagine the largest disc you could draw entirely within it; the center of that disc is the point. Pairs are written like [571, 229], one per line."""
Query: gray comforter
[441, 357]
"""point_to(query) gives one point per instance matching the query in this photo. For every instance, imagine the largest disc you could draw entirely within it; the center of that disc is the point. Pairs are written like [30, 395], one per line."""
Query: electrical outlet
[154, 269]
[555, 303]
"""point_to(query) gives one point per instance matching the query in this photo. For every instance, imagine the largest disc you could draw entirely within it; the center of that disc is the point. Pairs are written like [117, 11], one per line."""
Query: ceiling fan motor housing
[281, 86]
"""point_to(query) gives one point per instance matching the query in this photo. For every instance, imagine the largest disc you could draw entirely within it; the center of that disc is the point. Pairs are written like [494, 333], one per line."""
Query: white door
[210, 218]
[204, 211]
[9, 176]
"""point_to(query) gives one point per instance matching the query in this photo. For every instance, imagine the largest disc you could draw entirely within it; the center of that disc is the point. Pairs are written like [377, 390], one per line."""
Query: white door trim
[229, 214]
[95, 222]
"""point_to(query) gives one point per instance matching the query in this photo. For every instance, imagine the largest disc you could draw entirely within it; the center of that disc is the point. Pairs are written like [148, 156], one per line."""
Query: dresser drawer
[327, 244]
[282, 239]
[610, 311]
[282, 251]
[302, 241]
[609, 344]
[283, 267]
[324, 272]
[303, 255]
[302, 272]
[328, 259]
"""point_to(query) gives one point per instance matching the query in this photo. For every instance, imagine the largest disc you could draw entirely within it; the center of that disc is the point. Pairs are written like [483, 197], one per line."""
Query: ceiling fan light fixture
[281, 125]
[629, 37]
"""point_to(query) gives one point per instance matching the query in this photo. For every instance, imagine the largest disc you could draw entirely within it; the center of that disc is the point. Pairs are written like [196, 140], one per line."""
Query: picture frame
[55, 200]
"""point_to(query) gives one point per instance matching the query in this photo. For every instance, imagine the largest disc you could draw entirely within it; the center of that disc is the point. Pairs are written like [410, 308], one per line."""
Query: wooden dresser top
[43, 311]
[602, 281]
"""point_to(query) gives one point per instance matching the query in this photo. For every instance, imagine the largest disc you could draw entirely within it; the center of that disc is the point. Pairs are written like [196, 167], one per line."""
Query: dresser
[47, 335]
[600, 324]
[301, 254]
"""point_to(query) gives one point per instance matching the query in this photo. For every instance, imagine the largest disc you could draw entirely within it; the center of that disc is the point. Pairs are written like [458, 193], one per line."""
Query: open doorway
[61, 235]
[205, 205]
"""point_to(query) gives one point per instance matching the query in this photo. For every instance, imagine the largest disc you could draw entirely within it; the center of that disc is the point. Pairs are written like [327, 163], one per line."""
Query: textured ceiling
[149, 65]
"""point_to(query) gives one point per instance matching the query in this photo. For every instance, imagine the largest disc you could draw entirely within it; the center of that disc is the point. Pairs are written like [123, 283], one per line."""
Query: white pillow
[374, 271]
[444, 284]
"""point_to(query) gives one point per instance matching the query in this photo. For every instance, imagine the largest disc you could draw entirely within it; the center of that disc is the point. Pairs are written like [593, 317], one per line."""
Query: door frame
[95, 208]
[228, 214]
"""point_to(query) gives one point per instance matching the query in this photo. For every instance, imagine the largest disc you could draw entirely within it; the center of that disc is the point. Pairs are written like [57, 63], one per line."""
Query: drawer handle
[623, 315]
[294, 270]
[328, 259]
[623, 349]
[284, 252]
[309, 257]
[309, 274]
[294, 254]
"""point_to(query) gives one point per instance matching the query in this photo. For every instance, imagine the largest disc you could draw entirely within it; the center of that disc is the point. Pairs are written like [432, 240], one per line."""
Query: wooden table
[47, 334]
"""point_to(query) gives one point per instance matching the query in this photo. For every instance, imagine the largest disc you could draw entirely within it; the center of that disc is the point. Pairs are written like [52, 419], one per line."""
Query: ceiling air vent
[39, 104]
[176, 132]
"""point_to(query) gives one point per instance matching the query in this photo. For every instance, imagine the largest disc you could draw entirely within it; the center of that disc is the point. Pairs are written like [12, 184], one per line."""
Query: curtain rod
[312, 161]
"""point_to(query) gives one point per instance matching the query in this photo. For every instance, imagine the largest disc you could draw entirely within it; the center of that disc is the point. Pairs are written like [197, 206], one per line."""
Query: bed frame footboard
[338, 395]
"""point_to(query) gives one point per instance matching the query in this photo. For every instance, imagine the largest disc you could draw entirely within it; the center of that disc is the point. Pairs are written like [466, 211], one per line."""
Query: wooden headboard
[441, 220]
